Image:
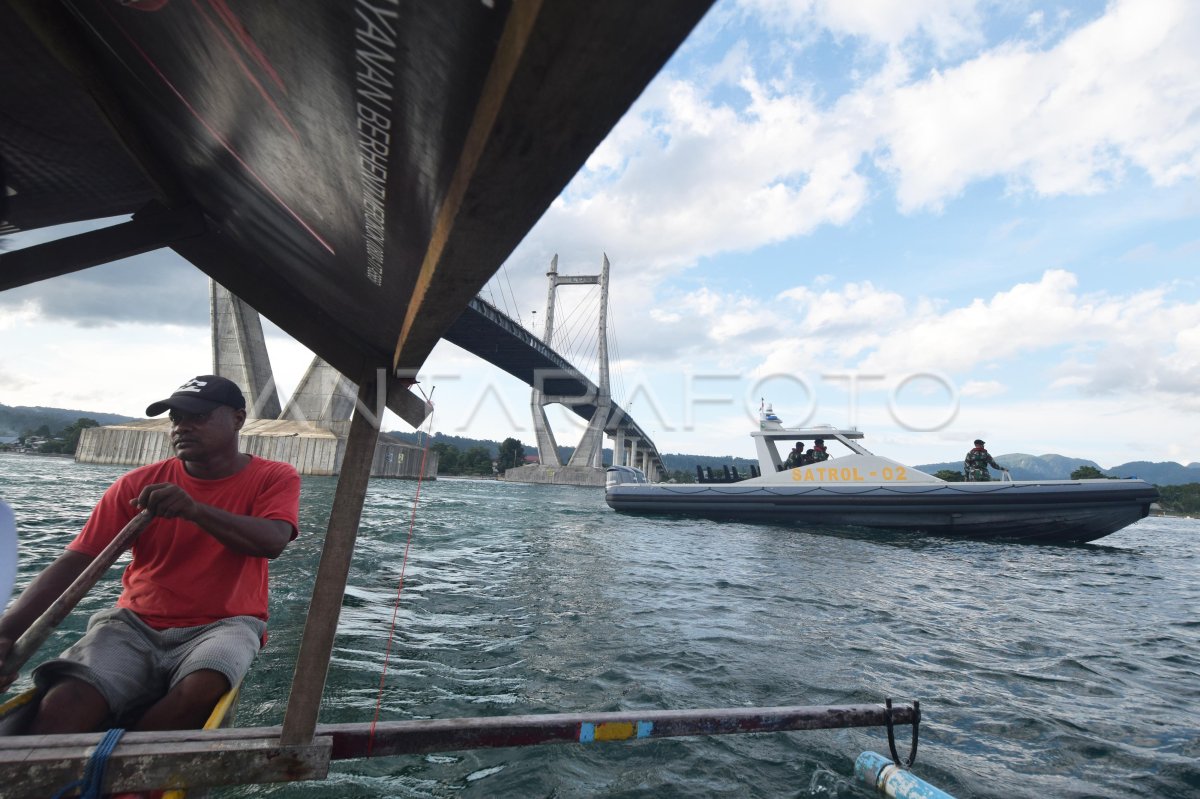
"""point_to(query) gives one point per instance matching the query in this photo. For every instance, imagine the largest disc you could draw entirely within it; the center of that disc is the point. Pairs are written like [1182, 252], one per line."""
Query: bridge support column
[324, 397]
[590, 451]
[546, 445]
[618, 447]
[240, 351]
[586, 463]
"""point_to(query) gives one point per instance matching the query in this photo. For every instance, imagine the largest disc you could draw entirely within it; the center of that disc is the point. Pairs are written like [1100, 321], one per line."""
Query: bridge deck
[484, 330]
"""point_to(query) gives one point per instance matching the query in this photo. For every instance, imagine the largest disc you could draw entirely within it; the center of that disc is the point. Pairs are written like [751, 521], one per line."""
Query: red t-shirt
[181, 576]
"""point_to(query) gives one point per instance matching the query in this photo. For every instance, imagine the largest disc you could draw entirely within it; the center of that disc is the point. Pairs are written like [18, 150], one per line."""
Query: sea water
[1042, 671]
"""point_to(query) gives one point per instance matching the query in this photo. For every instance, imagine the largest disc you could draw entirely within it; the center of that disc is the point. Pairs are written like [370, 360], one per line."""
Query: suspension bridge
[486, 331]
[307, 431]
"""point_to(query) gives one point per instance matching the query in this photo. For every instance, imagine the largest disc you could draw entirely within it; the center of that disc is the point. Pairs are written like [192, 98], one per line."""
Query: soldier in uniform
[975, 465]
[817, 453]
[795, 457]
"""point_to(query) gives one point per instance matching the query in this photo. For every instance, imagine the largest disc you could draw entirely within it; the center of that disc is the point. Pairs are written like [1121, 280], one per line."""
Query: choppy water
[1042, 671]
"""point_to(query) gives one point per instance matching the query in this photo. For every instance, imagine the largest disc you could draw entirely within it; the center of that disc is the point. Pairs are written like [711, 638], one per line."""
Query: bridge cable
[491, 295]
[616, 375]
[575, 330]
[504, 269]
[501, 305]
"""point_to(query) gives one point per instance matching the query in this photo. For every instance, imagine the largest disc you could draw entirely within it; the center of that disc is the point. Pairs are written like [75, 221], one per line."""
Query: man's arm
[249, 535]
[34, 600]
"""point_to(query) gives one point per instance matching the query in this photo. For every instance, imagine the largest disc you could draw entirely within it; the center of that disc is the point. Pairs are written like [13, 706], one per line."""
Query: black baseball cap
[979, 441]
[200, 395]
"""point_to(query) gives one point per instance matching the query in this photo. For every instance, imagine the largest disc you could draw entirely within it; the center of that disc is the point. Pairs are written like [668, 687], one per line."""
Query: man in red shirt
[193, 612]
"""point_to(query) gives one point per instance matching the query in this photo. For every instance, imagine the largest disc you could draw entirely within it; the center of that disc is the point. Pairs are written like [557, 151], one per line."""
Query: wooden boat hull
[1057, 512]
[17, 711]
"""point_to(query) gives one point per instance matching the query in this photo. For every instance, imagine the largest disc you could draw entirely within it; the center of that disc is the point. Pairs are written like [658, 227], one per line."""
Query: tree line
[41, 439]
[1182, 500]
[477, 461]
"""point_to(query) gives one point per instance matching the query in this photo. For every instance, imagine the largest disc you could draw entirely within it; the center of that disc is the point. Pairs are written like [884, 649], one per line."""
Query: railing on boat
[728, 474]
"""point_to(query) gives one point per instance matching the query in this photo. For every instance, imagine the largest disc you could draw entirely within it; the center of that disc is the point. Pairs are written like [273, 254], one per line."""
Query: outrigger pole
[35, 767]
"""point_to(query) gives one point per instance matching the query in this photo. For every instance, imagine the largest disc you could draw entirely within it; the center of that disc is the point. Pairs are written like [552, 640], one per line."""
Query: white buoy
[873, 770]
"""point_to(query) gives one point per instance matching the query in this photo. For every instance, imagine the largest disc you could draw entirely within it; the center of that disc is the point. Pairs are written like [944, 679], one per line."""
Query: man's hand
[166, 500]
[261, 538]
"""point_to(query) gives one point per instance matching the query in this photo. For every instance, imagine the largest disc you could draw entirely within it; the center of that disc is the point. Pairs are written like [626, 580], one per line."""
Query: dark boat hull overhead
[354, 170]
[1064, 512]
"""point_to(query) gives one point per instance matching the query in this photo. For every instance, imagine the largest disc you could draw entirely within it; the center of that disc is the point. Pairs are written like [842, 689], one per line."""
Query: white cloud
[1045, 333]
[984, 389]
[949, 24]
[685, 176]
[1122, 91]
[120, 370]
[856, 306]
[19, 314]
[731, 160]
[1120, 343]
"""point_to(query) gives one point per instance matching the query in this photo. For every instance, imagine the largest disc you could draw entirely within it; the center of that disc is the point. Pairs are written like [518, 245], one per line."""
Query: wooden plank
[145, 233]
[562, 75]
[221, 716]
[39, 773]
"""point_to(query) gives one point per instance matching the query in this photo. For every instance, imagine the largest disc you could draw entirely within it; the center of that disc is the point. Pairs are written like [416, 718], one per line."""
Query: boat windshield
[788, 448]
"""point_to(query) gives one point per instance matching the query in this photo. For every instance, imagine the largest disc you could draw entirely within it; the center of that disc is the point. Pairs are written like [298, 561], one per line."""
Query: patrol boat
[857, 488]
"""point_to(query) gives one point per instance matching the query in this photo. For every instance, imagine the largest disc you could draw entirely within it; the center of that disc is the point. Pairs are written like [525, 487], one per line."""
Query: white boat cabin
[858, 465]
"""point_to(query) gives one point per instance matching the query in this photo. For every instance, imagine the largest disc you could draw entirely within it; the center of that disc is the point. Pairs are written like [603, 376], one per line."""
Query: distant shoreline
[40, 454]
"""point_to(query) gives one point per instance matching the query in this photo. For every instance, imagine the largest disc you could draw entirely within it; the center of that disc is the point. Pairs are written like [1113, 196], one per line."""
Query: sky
[935, 221]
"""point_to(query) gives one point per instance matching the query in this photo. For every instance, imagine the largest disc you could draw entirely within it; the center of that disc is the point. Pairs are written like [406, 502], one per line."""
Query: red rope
[400, 587]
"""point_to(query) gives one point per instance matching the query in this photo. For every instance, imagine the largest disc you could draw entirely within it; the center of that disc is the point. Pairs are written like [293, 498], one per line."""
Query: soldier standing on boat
[818, 452]
[975, 465]
[193, 612]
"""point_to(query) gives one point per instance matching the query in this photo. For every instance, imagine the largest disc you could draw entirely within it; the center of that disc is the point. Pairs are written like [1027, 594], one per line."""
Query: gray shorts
[133, 665]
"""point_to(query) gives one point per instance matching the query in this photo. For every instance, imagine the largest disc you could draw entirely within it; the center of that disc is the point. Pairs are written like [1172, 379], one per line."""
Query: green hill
[16, 420]
[1059, 467]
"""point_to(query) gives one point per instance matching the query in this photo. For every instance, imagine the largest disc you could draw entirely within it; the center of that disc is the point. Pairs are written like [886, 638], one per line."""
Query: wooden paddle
[33, 638]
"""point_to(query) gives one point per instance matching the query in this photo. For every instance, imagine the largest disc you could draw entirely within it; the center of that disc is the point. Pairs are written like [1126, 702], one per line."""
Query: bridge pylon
[310, 433]
[240, 351]
[586, 464]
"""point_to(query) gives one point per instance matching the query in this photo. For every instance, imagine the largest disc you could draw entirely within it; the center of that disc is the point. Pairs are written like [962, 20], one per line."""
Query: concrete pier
[311, 449]
[556, 475]
[310, 433]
